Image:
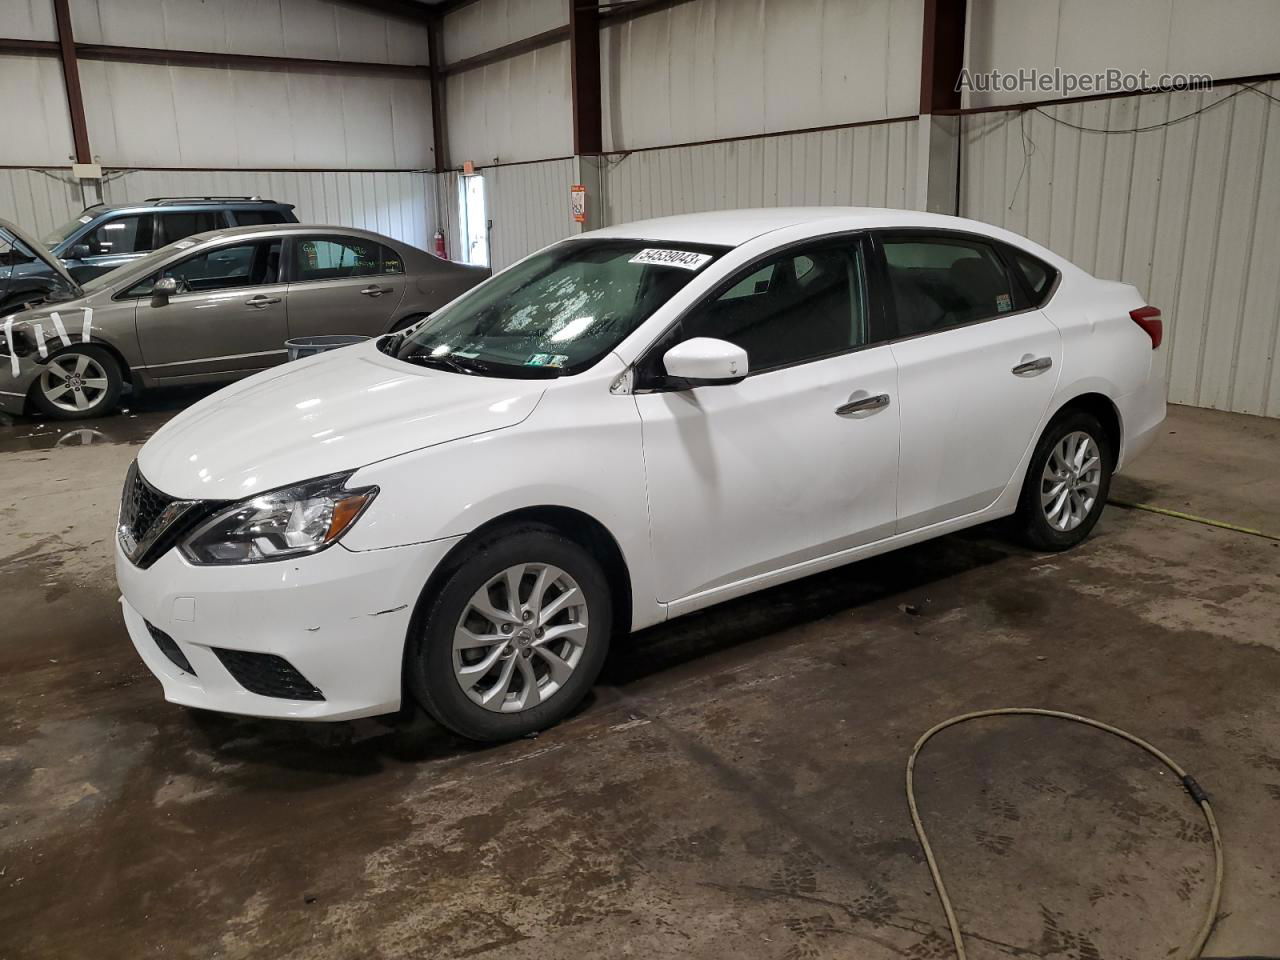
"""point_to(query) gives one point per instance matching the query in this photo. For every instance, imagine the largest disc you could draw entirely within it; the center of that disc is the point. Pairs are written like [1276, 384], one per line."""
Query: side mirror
[80, 250]
[162, 291]
[704, 361]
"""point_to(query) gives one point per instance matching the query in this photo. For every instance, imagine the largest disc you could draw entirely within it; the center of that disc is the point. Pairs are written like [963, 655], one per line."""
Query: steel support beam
[938, 146]
[71, 78]
[584, 53]
[439, 125]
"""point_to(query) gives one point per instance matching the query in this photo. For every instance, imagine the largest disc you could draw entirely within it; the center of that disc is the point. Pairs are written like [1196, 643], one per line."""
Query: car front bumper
[339, 618]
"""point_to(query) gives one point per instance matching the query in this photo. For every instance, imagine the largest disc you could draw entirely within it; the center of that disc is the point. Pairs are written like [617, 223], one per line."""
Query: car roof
[732, 228]
[184, 203]
[273, 229]
[735, 227]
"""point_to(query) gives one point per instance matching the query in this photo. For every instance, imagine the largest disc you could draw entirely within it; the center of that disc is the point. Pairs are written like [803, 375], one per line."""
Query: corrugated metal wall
[869, 165]
[713, 69]
[529, 202]
[1189, 213]
[39, 200]
[398, 204]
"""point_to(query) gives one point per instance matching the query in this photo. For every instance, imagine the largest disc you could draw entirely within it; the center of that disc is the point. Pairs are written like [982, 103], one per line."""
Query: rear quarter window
[1037, 276]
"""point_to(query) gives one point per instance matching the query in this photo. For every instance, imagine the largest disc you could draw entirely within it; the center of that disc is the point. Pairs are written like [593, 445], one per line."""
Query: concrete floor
[735, 787]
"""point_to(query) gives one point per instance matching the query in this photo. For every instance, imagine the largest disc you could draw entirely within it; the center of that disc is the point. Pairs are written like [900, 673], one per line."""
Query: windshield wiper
[448, 361]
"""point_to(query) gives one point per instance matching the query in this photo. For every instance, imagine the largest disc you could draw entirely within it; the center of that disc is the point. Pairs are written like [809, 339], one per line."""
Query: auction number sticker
[684, 259]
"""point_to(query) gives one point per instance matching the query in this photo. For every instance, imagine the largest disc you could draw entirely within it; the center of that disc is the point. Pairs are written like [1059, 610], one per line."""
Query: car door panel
[230, 314]
[220, 331]
[977, 369]
[330, 295]
[749, 478]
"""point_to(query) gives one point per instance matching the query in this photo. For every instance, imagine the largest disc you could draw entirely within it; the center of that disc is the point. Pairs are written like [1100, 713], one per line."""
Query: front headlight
[278, 524]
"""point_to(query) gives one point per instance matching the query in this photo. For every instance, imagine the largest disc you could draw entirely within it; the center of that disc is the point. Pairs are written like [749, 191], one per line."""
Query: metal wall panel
[865, 166]
[27, 20]
[320, 29]
[35, 127]
[713, 69]
[489, 24]
[1189, 213]
[398, 204]
[515, 110]
[155, 115]
[39, 200]
[1225, 38]
[529, 202]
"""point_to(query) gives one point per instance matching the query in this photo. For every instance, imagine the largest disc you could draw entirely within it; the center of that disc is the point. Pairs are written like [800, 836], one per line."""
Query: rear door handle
[261, 301]
[1029, 367]
[864, 405]
[373, 290]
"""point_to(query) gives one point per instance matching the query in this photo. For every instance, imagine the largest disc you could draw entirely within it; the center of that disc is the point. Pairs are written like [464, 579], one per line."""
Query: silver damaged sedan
[211, 308]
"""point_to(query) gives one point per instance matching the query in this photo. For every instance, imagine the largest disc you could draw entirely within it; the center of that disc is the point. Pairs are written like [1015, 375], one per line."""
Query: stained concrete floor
[735, 785]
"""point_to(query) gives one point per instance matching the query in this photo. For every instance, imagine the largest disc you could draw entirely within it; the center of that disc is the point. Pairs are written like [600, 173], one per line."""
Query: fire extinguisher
[441, 252]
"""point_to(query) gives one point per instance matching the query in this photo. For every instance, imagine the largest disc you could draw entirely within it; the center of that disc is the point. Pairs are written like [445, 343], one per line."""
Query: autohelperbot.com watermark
[1068, 83]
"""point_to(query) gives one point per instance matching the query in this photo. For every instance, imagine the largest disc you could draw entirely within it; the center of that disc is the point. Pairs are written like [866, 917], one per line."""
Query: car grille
[267, 675]
[170, 648]
[151, 521]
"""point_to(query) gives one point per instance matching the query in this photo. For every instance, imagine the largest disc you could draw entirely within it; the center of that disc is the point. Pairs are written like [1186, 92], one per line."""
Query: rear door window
[129, 234]
[944, 281]
[336, 258]
[179, 225]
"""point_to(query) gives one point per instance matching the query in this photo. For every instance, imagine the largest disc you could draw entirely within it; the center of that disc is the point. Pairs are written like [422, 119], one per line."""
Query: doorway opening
[472, 222]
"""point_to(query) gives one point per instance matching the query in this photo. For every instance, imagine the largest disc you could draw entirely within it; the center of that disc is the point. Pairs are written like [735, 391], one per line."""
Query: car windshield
[26, 278]
[55, 237]
[556, 313]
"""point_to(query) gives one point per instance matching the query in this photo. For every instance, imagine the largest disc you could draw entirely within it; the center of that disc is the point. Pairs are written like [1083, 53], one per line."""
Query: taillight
[1148, 318]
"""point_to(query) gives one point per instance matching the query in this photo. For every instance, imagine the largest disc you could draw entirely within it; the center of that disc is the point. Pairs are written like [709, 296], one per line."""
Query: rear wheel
[77, 383]
[1067, 482]
[514, 638]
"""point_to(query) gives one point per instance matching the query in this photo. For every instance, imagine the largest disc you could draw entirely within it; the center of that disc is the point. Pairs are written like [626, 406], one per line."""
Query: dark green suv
[106, 236]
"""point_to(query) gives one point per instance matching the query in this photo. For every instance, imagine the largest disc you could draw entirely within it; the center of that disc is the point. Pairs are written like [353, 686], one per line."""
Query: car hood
[333, 412]
[41, 251]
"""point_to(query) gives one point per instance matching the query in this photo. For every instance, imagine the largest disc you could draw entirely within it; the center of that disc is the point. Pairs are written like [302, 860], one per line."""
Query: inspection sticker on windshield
[546, 360]
[684, 259]
[183, 244]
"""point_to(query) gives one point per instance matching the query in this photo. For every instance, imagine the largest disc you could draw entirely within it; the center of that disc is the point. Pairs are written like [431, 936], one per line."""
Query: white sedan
[624, 427]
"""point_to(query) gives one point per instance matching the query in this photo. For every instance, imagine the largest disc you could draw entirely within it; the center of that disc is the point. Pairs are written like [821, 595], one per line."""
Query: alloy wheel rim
[520, 637]
[1070, 482]
[74, 382]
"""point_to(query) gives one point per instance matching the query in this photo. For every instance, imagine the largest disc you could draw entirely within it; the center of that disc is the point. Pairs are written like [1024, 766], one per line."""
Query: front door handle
[1030, 367]
[373, 290]
[864, 405]
[261, 301]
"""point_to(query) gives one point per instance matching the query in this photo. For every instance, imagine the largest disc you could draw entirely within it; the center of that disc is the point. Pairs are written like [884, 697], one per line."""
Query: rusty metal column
[588, 136]
[71, 77]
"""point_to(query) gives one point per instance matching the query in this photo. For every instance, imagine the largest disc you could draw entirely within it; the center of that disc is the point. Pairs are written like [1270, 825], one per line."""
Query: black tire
[1031, 520]
[102, 403]
[429, 665]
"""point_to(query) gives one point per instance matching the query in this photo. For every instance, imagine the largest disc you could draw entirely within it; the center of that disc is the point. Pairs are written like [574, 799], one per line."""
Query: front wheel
[514, 638]
[1067, 483]
[78, 383]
